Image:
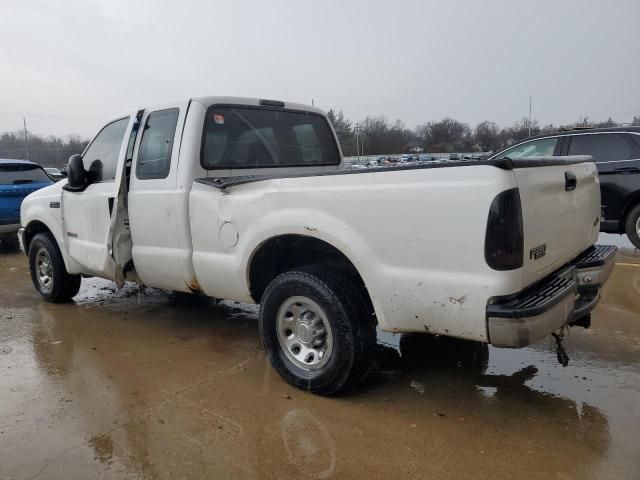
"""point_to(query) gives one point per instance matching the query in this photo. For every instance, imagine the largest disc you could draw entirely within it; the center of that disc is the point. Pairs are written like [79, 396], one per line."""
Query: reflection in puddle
[309, 444]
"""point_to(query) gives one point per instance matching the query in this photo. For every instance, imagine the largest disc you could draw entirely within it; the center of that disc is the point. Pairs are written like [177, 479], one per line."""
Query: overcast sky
[68, 66]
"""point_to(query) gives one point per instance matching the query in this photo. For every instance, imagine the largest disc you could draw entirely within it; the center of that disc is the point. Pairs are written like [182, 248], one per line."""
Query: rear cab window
[258, 137]
[18, 174]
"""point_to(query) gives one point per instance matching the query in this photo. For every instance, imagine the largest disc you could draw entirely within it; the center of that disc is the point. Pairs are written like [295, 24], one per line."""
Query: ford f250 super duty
[248, 200]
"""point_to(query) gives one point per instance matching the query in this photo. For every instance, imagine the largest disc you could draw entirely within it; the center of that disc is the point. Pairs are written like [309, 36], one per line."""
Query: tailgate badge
[538, 252]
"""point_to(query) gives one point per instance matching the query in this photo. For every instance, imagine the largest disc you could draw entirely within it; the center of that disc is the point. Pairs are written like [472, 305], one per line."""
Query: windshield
[245, 137]
[22, 173]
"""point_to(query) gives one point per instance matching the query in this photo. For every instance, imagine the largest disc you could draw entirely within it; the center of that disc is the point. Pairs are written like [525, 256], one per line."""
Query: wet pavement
[139, 383]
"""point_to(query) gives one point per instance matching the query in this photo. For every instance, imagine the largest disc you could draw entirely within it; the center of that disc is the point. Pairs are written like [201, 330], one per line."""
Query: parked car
[249, 200]
[454, 156]
[18, 178]
[616, 152]
[54, 173]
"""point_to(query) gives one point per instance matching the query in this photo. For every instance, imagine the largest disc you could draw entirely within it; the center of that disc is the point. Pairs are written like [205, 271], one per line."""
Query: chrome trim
[520, 332]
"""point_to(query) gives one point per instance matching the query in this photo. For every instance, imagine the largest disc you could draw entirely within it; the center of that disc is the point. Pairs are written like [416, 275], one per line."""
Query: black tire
[631, 226]
[350, 321]
[61, 286]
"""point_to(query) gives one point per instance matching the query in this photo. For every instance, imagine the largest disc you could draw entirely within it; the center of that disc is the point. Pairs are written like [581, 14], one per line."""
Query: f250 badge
[538, 252]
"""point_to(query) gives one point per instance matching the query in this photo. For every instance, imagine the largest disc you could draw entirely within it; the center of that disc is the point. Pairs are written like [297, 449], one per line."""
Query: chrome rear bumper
[563, 297]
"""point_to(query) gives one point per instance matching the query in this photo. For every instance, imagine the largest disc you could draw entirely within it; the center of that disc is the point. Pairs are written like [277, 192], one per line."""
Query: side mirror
[76, 175]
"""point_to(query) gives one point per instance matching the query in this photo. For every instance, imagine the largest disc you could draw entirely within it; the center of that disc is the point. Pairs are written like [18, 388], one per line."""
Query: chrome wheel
[44, 269]
[304, 333]
[638, 226]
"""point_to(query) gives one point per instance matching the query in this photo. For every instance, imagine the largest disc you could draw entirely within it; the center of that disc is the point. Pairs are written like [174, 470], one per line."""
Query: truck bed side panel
[395, 227]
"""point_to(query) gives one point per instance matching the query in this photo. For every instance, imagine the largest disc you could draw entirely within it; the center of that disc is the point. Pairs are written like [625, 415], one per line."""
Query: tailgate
[561, 211]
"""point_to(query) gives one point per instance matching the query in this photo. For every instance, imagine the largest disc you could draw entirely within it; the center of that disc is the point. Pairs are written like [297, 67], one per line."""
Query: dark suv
[616, 152]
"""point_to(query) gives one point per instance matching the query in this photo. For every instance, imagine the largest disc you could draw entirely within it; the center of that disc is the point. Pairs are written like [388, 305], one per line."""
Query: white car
[248, 200]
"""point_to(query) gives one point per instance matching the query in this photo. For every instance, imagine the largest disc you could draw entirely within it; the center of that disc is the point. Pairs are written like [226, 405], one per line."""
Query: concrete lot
[137, 383]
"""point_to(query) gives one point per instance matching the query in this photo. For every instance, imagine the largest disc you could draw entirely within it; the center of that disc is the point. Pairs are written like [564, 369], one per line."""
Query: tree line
[376, 135]
[49, 151]
[371, 136]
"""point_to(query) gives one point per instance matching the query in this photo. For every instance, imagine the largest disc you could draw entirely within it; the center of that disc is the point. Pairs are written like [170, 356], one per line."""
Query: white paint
[415, 236]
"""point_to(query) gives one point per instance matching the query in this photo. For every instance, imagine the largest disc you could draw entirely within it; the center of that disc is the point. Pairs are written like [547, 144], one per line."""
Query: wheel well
[280, 254]
[31, 230]
[635, 200]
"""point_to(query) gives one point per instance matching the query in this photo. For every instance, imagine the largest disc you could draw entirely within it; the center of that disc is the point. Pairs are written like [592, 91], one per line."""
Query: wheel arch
[282, 252]
[36, 226]
[31, 230]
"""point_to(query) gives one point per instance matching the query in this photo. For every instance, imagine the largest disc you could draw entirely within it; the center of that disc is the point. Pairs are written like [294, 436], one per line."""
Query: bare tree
[487, 136]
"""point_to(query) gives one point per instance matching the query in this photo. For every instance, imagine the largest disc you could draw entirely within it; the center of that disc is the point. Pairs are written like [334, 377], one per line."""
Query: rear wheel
[48, 273]
[632, 226]
[316, 331]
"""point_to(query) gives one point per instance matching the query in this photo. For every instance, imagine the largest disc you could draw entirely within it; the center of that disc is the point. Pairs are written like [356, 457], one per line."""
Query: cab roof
[255, 102]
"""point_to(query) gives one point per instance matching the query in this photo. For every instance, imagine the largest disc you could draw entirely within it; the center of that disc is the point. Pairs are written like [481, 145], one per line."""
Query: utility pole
[26, 138]
[530, 102]
[357, 132]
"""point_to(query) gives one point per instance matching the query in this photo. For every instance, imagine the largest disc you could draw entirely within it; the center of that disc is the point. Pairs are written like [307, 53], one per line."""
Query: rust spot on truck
[310, 229]
[194, 286]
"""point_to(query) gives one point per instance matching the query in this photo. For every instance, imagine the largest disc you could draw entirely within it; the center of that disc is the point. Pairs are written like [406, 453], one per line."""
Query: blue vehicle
[18, 178]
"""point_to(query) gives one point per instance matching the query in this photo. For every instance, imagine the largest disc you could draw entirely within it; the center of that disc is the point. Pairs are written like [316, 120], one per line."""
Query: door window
[101, 158]
[154, 157]
[543, 147]
[604, 147]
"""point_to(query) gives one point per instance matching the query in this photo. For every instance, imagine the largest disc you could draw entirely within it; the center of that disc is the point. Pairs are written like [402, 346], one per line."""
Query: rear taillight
[504, 243]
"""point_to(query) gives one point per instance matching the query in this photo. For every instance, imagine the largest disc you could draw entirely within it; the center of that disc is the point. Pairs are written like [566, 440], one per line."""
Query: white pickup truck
[248, 200]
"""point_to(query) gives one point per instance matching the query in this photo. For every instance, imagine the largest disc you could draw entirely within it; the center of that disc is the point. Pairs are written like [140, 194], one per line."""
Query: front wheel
[316, 331]
[48, 273]
[632, 226]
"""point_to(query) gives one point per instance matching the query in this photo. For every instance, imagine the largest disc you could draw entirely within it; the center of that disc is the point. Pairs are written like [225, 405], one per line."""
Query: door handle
[570, 181]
